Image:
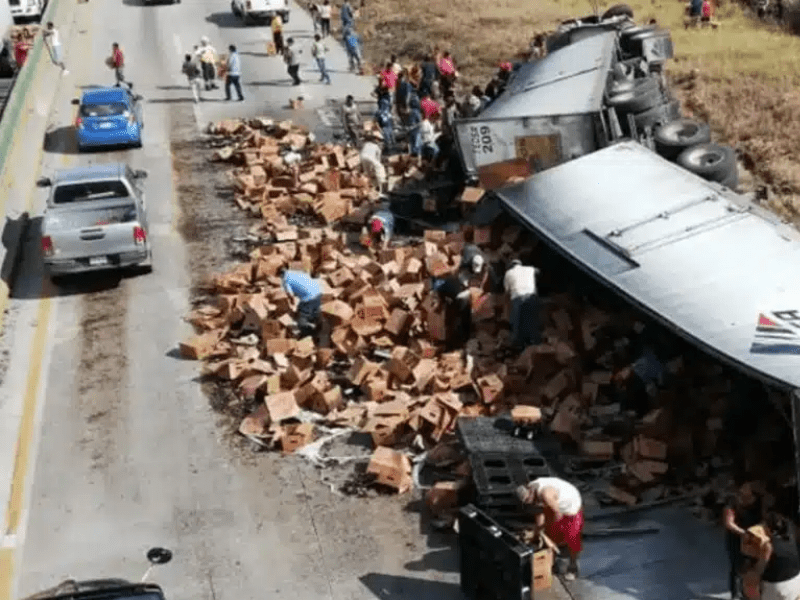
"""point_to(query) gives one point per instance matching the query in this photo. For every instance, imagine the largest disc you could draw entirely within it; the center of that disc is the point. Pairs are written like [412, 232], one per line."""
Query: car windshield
[103, 110]
[90, 190]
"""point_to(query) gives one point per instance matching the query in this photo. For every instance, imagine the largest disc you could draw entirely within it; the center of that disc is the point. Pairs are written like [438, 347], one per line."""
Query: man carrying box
[308, 293]
[561, 517]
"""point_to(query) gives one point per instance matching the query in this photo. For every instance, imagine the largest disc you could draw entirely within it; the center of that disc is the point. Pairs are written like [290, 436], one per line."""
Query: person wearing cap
[208, 59]
[308, 292]
[379, 230]
[520, 284]
[473, 264]
[561, 516]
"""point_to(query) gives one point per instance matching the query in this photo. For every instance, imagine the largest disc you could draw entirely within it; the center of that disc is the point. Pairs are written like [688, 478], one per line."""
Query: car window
[103, 110]
[90, 190]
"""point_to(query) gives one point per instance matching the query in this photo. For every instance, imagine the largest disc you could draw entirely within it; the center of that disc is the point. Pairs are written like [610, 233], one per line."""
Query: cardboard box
[296, 436]
[598, 449]
[391, 468]
[281, 406]
[649, 448]
[754, 540]
[541, 570]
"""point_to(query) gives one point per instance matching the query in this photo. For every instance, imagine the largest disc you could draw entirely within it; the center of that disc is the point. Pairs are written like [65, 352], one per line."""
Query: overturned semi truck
[586, 148]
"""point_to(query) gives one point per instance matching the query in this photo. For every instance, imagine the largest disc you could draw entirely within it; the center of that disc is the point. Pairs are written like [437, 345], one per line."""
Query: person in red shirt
[430, 108]
[21, 48]
[706, 11]
[117, 62]
[447, 72]
[388, 78]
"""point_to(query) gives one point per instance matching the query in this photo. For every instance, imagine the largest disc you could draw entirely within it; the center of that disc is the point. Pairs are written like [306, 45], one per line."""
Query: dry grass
[745, 81]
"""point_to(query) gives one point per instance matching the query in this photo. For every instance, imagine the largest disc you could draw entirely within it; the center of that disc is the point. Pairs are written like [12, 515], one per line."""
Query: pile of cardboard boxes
[380, 366]
[279, 172]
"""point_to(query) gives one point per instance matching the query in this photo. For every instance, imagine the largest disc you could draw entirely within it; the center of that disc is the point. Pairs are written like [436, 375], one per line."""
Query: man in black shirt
[458, 309]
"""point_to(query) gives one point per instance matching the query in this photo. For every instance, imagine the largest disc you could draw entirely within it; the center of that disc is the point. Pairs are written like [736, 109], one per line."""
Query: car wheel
[617, 10]
[639, 85]
[138, 143]
[285, 17]
[234, 10]
[713, 162]
[636, 102]
[673, 138]
[146, 267]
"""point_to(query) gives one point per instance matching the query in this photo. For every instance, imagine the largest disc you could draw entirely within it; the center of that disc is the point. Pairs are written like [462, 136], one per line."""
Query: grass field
[742, 77]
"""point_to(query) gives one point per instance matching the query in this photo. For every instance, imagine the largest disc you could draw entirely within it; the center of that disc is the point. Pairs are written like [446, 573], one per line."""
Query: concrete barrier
[22, 130]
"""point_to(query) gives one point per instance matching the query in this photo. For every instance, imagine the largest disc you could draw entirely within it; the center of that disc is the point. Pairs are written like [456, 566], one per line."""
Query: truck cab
[260, 11]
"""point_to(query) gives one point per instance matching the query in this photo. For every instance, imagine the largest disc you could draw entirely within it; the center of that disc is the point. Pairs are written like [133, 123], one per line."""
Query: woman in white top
[428, 137]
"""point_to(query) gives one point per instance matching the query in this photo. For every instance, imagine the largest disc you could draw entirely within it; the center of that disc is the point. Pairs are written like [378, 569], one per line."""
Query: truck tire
[235, 10]
[635, 102]
[285, 17]
[616, 11]
[712, 162]
[639, 85]
[673, 138]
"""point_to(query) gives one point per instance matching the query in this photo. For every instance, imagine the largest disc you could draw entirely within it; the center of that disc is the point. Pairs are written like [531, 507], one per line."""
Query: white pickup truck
[27, 10]
[95, 219]
[260, 10]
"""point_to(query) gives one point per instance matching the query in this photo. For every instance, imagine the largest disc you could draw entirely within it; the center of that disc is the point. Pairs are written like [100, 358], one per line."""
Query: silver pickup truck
[95, 219]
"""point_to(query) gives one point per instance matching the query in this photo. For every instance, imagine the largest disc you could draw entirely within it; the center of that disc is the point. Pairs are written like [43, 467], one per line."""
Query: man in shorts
[561, 517]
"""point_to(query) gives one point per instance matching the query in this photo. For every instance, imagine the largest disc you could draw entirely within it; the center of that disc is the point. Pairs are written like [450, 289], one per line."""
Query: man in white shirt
[53, 39]
[520, 285]
[561, 517]
[371, 163]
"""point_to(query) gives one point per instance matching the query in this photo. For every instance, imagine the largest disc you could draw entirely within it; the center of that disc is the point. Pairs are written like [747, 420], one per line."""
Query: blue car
[108, 117]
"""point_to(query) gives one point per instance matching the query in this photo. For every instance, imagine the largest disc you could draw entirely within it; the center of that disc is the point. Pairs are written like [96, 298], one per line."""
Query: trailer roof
[571, 80]
[702, 259]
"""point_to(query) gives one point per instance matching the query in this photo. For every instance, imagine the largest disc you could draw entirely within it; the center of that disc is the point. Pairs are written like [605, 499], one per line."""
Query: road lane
[130, 454]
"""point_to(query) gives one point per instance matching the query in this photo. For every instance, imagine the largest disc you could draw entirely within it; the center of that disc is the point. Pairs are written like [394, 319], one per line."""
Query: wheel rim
[710, 159]
[687, 130]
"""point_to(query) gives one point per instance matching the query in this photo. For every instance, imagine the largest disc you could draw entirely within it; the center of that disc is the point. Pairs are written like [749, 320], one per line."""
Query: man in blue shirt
[234, 74]
[308, 292]
[346, 13]
[353, 47]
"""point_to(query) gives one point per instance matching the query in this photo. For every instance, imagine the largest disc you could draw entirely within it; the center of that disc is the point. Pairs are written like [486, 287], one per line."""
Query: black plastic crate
[495, 564]
[496, 472]
[491, 434]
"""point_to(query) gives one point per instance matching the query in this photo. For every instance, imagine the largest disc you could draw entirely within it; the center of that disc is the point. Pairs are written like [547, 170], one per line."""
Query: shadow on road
[61, 140]
[226, 20]
[397, 587]
[170, 100]
[14, 230]
[281, 83]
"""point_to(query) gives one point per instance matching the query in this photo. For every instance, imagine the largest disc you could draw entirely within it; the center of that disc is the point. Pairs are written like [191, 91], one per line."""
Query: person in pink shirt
[430, 108]
[388, 77]
[447, 72]
[707, 11]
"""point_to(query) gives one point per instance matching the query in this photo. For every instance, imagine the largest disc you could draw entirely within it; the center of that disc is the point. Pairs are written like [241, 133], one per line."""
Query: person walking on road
[318, 51]
[314, 11]
[351, 117]
[117, 62]
[208, 59]
[346, 13]
[192, 72]
[53, 40]
[234, 74]
[325, 11]
[520, 284]
[277, 33]
[292, 61]
[353, 47]
[308, 293]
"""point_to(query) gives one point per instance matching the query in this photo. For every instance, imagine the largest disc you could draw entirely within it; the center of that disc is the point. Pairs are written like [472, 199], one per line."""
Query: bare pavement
[108, 446]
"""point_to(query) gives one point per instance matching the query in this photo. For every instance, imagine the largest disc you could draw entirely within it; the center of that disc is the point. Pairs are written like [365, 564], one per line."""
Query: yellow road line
[16, 501]
[6, 572]
[26, 429]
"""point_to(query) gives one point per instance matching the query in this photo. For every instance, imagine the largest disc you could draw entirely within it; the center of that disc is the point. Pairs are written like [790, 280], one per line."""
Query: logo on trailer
[777, 332]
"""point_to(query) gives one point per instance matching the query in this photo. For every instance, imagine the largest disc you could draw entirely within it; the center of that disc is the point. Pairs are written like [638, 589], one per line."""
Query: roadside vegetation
[741, 77]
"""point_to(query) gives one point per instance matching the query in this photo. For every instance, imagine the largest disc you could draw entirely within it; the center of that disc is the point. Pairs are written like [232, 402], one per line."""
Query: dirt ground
[744, 71]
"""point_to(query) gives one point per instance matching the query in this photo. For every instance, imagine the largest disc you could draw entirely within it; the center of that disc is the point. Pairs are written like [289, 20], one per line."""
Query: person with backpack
[192, 73]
